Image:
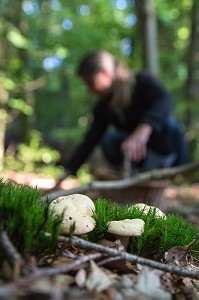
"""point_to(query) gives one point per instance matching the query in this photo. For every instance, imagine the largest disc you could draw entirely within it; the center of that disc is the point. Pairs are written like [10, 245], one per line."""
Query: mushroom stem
[124, 229]
[123, 239]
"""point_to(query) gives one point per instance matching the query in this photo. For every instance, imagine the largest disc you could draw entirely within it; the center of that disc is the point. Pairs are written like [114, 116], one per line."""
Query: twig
[133, 258]
[34, 84]
[108, 260]
[14, 258]
[156, 174]
[68, 254]
[12, 288]
[127, 166]
[80, 189]
[183, 210]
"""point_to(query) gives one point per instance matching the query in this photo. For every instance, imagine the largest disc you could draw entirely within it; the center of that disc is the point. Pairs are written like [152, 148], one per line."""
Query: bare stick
[183, 210]
[190, 245]
[14, 287]
[14, 258]
[127, 169]
[156, 174]
[109, 260]
[130, 257]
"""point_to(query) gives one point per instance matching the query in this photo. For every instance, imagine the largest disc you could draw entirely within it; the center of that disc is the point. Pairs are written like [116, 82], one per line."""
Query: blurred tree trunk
[148, 33]
[20, 22]
[3, 121]
[193, 66]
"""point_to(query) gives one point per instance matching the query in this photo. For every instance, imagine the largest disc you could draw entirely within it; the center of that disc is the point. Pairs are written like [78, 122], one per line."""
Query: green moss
[160, 234]
[34, 229]
[30, 225]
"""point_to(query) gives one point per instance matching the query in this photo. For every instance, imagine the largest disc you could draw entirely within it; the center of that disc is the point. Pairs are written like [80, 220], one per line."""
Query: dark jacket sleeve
[158, 102]
[91, 139]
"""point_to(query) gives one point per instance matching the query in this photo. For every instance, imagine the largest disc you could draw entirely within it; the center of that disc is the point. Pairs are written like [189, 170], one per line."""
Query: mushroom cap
[76, 208]
[83, 223]
[146, 208]
[126, 227]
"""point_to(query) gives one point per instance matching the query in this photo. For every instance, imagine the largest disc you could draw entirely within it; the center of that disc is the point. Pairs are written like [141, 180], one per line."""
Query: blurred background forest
[44, 108]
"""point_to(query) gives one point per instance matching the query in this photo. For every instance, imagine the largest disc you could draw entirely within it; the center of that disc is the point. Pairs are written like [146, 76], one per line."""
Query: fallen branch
[130, 257]
[15, 287]
[156, 174]
[34, 84]
[14, 258]
[109, 260]
[183, 210]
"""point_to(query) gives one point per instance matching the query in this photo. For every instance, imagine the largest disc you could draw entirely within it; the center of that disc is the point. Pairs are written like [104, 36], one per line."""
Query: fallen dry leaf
[80, 278]
[46, 285]
[149, 284]
[98, 280]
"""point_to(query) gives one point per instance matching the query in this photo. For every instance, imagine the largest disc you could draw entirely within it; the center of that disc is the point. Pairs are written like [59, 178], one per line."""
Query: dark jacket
[150, 104]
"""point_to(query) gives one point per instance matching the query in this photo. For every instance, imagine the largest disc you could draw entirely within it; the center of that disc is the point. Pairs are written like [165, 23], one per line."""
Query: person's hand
[135, 146]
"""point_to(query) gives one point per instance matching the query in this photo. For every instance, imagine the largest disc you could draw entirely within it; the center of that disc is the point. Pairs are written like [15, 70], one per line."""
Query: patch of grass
[160, 234]
[30, 225]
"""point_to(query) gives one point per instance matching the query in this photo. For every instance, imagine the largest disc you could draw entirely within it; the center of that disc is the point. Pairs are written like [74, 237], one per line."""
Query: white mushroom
[146, 208]
[126, 228]
[76, 208]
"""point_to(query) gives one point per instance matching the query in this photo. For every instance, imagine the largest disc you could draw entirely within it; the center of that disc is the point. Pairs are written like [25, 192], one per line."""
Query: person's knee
[105, 141]
[179, 143]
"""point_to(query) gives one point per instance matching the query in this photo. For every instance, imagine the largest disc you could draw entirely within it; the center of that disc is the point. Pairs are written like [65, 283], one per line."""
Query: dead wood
[132, 258]
[156, 174]
[13, 256]
[183, 210]
[17, 286]
[109, 260]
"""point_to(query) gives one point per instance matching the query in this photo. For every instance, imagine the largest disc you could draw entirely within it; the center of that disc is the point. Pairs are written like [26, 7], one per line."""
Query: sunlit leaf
[8, 83]
[21, 106]
[17, 39]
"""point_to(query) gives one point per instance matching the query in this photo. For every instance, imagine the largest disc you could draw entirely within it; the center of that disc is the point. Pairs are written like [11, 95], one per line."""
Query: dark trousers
[164, 149]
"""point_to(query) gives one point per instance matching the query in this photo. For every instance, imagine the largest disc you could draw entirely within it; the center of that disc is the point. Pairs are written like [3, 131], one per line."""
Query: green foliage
[26, 218]
[61, 100]
[15, 37]
[74, 134]
[160, 234]
[83, 174]
[33, 157]
[20, 105]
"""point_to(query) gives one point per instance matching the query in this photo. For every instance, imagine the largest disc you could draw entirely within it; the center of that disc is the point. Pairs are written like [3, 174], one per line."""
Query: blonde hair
[123, 79]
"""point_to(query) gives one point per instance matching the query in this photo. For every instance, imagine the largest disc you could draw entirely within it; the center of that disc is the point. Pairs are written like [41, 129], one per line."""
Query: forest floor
[88, 274]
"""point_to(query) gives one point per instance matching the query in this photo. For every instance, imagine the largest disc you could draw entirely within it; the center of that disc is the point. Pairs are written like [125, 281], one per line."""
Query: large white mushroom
[76, 209]
[147, 208]
[124, 229]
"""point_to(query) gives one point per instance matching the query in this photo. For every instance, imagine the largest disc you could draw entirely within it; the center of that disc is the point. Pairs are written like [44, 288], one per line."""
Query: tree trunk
[3, 121]
[148, 33]
[15, 16]
[193, 66]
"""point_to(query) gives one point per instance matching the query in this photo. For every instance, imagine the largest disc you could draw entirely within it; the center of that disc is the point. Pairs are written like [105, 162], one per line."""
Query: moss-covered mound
[31, 227]
[160, 234]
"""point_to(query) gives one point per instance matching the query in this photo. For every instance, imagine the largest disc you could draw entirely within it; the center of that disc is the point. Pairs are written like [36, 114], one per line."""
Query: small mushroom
[126, 228]
[146, 208]
[76, 208]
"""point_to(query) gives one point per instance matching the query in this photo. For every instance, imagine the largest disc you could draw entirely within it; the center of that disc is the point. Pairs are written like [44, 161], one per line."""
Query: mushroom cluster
[76, 209]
